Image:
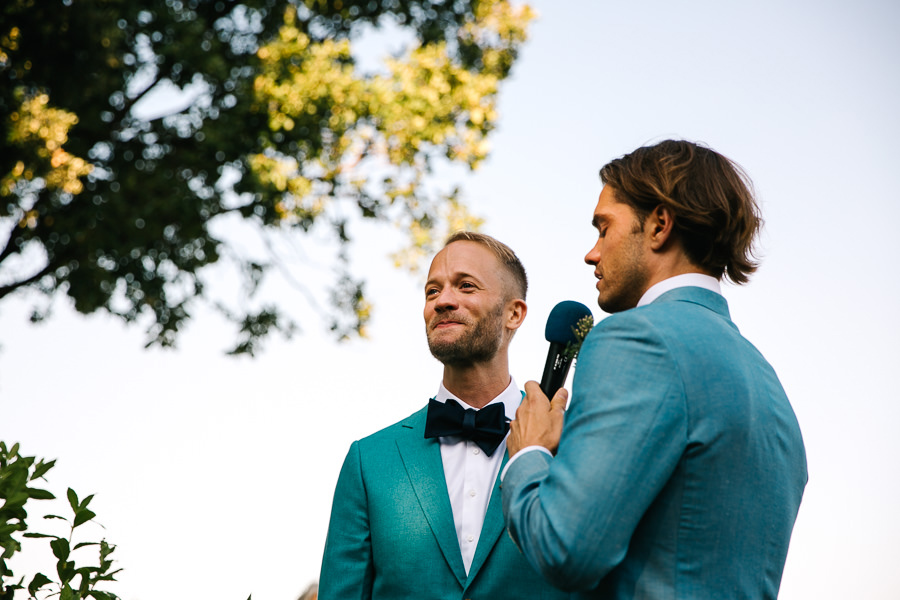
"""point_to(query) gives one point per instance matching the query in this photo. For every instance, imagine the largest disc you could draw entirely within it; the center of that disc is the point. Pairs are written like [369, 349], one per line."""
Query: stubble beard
[632, 278]
[478, 344]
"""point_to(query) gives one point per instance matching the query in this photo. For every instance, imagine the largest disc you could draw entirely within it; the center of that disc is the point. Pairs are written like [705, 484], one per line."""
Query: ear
[659, 227]
[516, 310]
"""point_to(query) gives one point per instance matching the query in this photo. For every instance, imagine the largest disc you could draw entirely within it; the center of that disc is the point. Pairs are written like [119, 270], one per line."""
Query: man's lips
[445, 322]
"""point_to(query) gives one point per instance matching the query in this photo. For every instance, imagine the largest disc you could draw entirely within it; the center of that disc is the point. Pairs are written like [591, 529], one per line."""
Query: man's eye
[431, 291]
[465, 285]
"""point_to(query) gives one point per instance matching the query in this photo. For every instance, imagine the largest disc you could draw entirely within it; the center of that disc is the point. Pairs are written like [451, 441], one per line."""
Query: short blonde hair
[511, 263]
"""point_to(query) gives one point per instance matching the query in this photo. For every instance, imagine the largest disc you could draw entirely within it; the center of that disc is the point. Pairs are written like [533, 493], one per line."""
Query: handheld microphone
[561, 333]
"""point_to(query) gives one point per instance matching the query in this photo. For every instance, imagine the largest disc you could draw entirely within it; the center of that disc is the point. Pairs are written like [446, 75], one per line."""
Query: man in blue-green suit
[678, 469]
[416, 512]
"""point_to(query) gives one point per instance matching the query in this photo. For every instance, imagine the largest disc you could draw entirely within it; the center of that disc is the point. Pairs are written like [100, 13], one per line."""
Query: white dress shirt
[471, 473]
[687, 280]
[652, 293]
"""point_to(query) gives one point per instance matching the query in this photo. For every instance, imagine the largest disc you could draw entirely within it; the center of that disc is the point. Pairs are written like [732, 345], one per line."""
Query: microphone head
[562, 321]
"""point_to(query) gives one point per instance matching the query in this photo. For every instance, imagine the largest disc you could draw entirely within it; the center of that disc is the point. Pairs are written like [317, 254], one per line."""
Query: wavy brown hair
[716, 215]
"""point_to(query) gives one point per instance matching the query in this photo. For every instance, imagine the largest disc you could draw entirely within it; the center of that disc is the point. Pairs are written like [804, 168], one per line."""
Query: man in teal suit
[416, 511]
[679, 467]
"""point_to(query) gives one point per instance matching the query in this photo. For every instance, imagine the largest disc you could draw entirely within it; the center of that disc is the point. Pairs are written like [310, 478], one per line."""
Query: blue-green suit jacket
[392, 536]
[680, 468]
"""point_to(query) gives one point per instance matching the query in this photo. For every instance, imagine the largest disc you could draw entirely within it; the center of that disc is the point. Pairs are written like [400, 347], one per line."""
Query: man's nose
[446, 300]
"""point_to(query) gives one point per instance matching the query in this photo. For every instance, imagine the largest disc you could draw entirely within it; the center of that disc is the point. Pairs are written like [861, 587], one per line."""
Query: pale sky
[214, 476]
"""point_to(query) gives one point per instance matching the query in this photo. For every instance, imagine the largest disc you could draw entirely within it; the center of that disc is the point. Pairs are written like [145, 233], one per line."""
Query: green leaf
[55, 517]
[82, 516]
[73, 499]
[41, 469]
[16, 499]
[39, 494]
[83, 544]
[66, 571]
[40, 535]
[109, 576]
[67, 593]
[39, 581]
[105, 549]
[11, 590]
[60, 547]
[86, 501]
[10, 548]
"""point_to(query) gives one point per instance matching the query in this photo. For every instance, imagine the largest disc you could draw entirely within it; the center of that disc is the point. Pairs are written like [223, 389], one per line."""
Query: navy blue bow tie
[486, 427]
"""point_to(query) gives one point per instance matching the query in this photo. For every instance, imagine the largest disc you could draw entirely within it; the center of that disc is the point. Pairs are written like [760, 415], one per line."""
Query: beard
[479, 343]
[628, 277]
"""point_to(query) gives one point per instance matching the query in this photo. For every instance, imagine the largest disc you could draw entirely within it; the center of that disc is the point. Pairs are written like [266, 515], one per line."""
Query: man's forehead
[609, 207]
[463, 257]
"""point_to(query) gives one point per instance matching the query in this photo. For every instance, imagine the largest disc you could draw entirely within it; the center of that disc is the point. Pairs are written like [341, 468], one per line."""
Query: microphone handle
[555, 369]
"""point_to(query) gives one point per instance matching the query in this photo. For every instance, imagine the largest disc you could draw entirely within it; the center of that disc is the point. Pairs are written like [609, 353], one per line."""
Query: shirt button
[476, 451]
[470, 539]
[472, 493]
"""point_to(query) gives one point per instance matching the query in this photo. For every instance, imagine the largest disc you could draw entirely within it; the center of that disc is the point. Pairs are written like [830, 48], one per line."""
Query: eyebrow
[456, 277]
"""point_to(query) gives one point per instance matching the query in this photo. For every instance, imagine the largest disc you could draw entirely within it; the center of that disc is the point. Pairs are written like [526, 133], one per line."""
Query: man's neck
[477, 384]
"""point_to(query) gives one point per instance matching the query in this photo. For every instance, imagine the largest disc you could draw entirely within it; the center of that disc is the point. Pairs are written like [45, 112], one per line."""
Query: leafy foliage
[115, 206]
[580, 330]
[17, 473]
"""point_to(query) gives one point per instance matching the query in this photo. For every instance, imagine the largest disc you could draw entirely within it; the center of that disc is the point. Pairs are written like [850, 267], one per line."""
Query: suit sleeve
[625, 430]
[347, 567]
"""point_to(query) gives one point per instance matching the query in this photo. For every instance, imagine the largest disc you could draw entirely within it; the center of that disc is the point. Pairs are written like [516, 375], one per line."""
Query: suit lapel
[422, 460]
[493, 527]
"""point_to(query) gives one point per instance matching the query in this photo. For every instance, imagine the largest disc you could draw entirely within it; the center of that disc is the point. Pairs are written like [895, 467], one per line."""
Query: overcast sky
[215, 475]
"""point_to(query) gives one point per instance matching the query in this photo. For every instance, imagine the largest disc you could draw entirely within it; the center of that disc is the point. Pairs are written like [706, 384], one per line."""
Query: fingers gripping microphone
[561, 333]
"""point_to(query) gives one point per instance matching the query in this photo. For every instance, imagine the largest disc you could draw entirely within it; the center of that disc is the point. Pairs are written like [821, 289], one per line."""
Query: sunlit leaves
[39, 132]
[428, 105]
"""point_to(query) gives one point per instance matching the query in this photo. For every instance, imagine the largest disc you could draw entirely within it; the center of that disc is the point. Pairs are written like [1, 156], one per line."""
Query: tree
[116, 207]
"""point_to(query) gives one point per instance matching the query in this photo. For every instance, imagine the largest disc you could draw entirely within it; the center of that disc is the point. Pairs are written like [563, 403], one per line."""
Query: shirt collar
[685, 280]
[510, 398]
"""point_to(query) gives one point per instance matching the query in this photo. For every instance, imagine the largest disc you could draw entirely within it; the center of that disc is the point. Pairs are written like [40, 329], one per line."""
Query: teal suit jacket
[680, 468]
[392, 536]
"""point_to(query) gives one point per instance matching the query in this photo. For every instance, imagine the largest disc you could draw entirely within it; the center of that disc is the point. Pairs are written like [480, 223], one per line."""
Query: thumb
[560, 400]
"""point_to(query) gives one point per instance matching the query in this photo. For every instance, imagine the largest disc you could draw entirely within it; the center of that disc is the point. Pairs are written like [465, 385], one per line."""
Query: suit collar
[703, 297]
[422, 460]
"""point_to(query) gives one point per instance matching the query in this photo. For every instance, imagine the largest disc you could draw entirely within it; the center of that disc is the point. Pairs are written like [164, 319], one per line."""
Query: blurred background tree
[111, 196]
